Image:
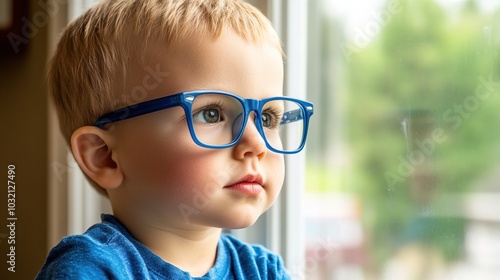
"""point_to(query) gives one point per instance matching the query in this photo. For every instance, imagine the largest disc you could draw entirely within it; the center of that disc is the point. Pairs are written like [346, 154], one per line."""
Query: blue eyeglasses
[217, 119]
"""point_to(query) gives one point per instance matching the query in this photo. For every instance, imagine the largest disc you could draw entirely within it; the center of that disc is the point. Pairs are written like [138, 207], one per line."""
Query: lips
[249, 185]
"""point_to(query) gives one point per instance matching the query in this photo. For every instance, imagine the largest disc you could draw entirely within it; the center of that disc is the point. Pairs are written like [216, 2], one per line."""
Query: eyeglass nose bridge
[241, 121]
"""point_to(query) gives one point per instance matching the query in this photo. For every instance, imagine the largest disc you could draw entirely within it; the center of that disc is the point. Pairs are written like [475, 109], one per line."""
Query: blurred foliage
[422, 103]
[423, 109]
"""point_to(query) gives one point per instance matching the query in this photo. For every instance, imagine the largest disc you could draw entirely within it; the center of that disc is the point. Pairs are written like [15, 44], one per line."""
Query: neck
[193, 250]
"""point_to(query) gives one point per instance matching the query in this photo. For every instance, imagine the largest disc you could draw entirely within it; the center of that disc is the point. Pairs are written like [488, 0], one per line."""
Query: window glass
[403, 157]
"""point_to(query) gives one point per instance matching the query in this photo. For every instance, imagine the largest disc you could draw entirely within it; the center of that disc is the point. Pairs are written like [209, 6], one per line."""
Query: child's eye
[270, 118]
[208, 115]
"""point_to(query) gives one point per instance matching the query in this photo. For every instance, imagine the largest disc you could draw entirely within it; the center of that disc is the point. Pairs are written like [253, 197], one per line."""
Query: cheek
[189, 174]
[165, 169]
[147, 154]
[170, 168]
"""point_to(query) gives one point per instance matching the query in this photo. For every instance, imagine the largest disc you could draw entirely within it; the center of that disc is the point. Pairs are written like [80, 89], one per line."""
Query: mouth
[249, 185]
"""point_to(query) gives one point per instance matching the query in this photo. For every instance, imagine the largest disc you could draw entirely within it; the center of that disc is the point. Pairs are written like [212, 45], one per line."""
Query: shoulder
[99, 253]
[254, 259]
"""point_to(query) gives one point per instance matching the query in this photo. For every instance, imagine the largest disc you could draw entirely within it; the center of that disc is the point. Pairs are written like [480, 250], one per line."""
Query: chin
[238, 221]
[241, 225]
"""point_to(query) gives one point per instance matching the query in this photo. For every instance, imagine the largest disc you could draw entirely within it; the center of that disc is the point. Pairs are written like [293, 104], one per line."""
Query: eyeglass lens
[218, 120]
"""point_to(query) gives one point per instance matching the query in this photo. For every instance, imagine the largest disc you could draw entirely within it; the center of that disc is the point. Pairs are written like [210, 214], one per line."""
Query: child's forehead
[193, 49]
[186, 64]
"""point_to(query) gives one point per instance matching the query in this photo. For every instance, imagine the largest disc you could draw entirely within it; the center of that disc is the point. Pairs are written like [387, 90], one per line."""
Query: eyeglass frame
[185, 100]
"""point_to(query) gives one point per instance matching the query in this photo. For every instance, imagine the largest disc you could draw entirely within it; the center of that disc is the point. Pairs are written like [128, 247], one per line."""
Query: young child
[174, 110]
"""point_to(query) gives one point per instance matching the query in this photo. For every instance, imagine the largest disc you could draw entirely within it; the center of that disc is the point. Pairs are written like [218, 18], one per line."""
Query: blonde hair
[95, 49]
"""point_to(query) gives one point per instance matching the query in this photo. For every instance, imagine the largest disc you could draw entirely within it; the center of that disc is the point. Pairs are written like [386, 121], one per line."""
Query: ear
[95, 156]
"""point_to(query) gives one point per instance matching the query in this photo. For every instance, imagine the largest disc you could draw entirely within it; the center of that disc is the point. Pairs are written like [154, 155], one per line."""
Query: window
[404, 153]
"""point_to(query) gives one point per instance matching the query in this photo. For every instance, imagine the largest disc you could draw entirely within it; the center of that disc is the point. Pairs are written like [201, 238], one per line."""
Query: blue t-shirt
[108, 251]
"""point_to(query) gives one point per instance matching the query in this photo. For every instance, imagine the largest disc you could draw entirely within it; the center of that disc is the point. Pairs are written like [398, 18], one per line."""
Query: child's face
[168, 179]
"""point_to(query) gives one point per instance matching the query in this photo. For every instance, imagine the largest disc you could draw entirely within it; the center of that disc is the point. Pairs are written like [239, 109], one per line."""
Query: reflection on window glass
[403, 168]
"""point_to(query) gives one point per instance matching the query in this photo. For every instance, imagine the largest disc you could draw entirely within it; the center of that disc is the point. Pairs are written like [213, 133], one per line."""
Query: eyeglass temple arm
[292, 116]
[139, 109]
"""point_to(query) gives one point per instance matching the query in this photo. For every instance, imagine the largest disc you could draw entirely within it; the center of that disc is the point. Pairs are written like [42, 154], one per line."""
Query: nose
[251, 142]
